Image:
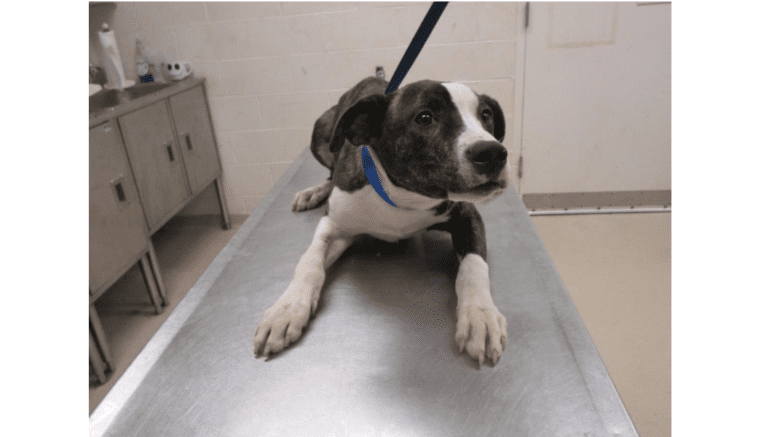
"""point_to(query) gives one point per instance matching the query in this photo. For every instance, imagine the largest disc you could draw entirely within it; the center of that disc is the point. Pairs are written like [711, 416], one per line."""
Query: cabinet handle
[170, 154]
[118, 191]
[188, 140]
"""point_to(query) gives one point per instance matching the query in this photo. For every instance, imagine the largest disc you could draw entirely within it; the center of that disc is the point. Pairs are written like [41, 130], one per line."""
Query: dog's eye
[487, 114]
[424, 118]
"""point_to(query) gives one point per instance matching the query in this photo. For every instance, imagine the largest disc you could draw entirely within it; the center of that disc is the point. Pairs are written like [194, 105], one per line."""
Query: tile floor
[184, 248]
[616, 267]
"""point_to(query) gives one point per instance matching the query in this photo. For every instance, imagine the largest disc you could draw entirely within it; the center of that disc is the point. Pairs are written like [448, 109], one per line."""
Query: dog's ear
[361, 122]
[499, 117]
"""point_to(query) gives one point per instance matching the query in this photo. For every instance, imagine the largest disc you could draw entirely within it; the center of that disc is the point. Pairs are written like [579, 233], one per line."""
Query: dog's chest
[364, 212]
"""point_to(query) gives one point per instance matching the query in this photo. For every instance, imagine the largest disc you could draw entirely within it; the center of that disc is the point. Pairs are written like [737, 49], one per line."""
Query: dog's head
[441, 140]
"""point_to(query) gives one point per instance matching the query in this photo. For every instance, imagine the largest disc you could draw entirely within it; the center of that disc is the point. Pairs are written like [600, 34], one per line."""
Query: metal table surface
[378, 358]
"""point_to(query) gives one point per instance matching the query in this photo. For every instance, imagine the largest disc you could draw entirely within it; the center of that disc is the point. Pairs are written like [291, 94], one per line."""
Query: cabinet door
[155, 160]
[195, 136]
[116, 230]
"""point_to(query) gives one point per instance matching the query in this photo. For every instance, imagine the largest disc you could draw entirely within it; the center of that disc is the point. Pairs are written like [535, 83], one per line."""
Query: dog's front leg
[283, 322]
[481, 329]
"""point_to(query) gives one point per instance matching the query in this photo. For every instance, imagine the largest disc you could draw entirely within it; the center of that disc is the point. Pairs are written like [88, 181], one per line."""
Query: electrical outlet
[380, 72]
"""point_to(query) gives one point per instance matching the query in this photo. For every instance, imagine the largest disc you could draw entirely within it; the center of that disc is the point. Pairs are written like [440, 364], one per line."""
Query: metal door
[597, 98]
[198, 147]
[155, 159]
[117, 233]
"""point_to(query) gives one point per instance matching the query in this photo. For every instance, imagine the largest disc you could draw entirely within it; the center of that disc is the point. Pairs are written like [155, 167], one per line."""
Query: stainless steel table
[379, 358]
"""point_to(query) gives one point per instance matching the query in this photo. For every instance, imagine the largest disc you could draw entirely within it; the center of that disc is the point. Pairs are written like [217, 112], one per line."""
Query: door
[155, 160]
[597, 98]
[198, 146]
[117, 233]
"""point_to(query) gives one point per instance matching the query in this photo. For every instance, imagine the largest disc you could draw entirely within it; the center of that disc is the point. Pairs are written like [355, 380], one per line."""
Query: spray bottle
[141, 63]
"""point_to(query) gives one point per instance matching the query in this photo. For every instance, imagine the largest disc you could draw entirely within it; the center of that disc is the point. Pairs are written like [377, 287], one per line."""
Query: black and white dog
[436, 148]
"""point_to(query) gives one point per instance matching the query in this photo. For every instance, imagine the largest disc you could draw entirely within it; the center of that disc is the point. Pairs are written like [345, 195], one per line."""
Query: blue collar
[372, 175]
[419, 39]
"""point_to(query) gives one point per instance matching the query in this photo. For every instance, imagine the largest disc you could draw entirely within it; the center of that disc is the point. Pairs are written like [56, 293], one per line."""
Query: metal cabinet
[173, 153]
[156, 161]
[147, 158]
[117, 233]
[195, 136]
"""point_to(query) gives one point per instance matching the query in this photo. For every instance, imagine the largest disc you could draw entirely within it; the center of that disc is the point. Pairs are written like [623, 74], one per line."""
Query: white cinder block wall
[273, 68]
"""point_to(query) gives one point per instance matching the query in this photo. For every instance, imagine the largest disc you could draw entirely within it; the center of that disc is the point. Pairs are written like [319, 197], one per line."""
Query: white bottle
[113, 67]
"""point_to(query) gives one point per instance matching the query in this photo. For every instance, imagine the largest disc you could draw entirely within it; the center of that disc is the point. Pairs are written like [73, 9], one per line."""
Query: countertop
[175, 87]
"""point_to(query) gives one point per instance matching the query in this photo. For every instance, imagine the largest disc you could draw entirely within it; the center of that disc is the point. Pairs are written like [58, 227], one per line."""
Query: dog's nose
[488, 157]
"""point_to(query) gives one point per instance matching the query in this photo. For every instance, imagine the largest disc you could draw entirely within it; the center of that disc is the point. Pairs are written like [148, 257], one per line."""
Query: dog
[436, 147]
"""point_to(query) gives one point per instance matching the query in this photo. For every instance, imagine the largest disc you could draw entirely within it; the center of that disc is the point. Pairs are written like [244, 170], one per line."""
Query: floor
[184, 248]
[616, 267]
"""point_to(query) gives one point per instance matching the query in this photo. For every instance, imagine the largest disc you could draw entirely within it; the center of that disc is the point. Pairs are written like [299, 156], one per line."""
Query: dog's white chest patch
[364, 212]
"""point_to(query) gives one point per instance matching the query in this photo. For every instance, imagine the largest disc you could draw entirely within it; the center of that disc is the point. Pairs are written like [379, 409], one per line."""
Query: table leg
[148, 276]
[226, 220]
[157, 274]
[96, 331]
[95, 361]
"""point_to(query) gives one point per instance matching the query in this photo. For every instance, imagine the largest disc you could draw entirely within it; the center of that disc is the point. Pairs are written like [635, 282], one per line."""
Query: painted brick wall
[273, 68]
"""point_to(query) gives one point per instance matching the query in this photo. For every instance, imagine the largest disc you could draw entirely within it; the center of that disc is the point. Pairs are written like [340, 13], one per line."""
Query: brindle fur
[366, 115]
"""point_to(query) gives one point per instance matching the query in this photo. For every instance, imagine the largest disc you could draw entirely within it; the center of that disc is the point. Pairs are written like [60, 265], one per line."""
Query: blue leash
[421, 35]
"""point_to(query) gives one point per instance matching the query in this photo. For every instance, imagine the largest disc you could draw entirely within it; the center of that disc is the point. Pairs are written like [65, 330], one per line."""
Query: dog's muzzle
[488, 158]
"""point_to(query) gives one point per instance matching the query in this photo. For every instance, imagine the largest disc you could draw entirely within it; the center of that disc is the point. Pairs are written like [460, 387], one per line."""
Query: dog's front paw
[311, 197]
[282, 325]
[482, 331]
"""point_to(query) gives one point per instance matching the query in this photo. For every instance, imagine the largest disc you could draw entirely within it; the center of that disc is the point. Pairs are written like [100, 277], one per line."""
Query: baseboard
[599, 200]
[204, 220]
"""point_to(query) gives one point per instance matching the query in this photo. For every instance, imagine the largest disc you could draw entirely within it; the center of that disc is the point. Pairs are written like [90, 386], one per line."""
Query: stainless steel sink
[110, 98]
